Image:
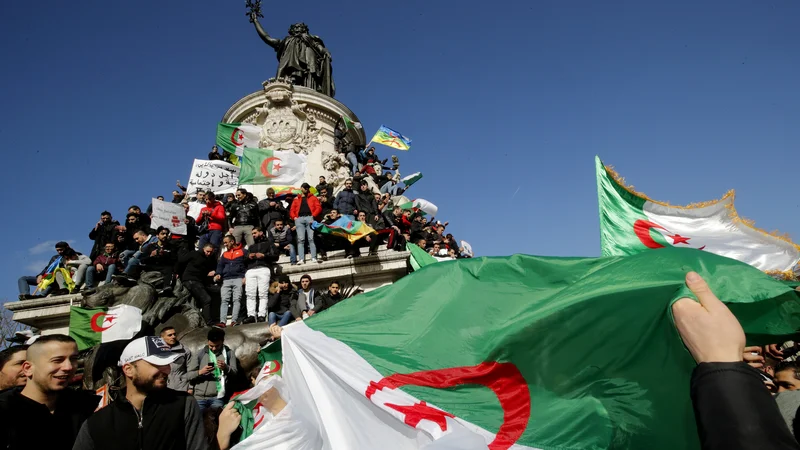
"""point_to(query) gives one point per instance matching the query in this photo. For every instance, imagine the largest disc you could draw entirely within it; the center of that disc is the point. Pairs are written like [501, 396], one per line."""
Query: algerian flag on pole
[262, 166]
[234, 137]
[90, 327]
[577, 353]
[411, 179]
[350, 125]
[630, 223]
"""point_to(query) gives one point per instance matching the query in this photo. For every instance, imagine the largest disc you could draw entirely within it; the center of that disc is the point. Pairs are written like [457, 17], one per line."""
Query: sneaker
[324, 256]
[233, 323]
[249, 319]
[349, 256]
[22, 297]
[373, 253]
[220, 325]
[301, 262]
[261, 319]
[315, 260]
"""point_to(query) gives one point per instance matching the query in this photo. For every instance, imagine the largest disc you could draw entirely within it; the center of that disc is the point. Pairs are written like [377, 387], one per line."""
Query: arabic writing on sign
[215, 176]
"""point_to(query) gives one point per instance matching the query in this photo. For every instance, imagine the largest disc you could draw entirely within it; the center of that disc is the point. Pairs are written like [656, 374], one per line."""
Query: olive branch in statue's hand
[253, 9]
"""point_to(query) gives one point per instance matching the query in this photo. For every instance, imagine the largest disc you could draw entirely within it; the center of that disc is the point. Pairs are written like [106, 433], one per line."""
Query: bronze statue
[302, 57]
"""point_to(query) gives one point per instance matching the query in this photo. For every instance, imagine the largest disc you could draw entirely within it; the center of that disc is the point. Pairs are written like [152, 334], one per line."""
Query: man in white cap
[150, 415]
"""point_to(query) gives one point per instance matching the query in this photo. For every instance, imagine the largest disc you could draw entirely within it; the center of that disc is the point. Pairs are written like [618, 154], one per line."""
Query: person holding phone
[210, 369]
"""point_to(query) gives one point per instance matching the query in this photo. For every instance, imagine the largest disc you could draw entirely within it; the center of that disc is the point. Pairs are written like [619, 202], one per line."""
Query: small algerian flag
[467, 249]
[631, 222]
[411, 179]
[350, 125]
[576, 353]
[234, 137]
[422, 205]
[262, 166]
[90, 327]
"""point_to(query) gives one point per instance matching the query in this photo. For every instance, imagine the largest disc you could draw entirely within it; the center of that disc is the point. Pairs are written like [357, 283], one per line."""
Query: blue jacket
[232, 263]
[345, 202]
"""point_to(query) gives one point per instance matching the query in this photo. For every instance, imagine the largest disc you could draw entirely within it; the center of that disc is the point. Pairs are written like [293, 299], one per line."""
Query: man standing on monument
[302, 57]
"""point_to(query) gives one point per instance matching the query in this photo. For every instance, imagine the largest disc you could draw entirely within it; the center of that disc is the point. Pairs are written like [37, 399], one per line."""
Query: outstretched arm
[271, 41]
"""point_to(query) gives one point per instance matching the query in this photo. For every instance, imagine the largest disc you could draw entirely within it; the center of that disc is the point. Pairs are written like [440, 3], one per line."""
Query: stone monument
[298, 119]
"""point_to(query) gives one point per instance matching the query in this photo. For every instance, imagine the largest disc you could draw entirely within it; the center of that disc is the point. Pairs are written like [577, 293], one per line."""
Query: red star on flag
[421, 411]
[678, 239]
[276, 167]
[109, 319]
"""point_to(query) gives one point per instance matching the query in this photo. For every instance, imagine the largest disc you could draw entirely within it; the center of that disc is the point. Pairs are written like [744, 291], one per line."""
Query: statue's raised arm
[262, 33]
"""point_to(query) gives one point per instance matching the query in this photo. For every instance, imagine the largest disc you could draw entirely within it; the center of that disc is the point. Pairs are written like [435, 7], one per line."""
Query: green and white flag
[520, 352]
[90, 327]
[631, 222]
[350, 125]
[262, 166]
[419, 257]
[411, 179]
[235, 137]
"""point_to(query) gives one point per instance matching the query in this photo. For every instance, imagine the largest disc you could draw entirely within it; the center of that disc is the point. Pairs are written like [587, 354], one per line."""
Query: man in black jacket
[160, 256]
[244, 216]
[328, 299]
[260, 257]
[46, 413]
[150, 416]
[280, 303]
[102, 233]
[271, 209]
[185, 243]
[197, 269]
[732, 408]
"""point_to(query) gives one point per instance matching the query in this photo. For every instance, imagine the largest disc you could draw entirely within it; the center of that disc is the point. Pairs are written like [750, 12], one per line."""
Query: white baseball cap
[152, 349]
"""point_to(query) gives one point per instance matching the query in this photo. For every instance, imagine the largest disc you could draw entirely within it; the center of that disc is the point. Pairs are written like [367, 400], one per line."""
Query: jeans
[213, 236]
[91, 271]
[231, 290]
[24, 284]
[201, 298]
[125, 256]
[292, 254]
[243, 232]
[303, 225]
[257, 283]
[206, 403]
[390, 187]
[285, 318]
[353, 162]
[133, 264]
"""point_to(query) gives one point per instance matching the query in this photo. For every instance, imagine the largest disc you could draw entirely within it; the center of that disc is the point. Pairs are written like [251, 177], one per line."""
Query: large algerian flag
[520, 352]
[419, 258]
[234, 137]
[90, 327]
[262, 166]
[630, 223]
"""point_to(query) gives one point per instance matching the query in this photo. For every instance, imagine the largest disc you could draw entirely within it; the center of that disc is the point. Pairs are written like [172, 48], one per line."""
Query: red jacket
[218, 217]
[313, 205]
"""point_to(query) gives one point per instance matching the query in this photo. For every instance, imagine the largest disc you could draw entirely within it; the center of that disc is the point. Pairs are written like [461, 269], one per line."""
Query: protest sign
[213, 176]
[169, 215]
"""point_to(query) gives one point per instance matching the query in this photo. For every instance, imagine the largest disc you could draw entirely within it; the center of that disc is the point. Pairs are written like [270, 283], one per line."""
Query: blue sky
[105, 104]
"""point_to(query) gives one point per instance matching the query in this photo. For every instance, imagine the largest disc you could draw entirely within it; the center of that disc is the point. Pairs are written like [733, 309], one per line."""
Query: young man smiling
[45, 413]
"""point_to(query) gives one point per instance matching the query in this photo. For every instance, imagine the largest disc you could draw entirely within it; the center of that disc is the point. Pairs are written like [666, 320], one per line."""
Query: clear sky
[106, 103]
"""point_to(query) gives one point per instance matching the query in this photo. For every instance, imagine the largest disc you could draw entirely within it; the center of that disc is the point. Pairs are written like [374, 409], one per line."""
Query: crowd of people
[233, 242]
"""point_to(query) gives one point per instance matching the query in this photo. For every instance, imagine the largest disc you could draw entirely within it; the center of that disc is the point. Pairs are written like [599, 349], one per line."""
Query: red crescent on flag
[265, 167]
[237, 137]
[504, 379]
[99, 328]
[642, 230]
[276, 366]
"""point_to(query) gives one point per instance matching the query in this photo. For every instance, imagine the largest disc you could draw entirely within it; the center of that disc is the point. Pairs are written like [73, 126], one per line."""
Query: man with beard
[102, 233]
[11, 374]
[150, 415]
[45, 413]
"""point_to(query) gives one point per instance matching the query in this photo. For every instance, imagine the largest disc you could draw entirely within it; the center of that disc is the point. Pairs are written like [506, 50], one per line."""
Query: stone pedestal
[51, 314]
[297, 119]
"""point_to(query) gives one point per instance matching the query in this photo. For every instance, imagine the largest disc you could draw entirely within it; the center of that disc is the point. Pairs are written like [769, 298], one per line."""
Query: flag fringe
[621, 182]
[729, 206]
